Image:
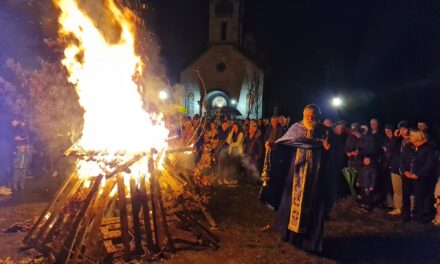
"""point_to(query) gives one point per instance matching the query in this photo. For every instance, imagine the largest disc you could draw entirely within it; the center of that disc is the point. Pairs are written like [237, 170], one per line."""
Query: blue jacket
[420, 161]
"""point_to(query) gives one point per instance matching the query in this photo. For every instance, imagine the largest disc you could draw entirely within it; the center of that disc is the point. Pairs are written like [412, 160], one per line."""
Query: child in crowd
[21, 163]
[366, 182]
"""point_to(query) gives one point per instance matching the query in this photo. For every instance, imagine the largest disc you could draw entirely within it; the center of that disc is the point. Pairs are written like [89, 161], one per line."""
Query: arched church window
[189, 104]
[219, 101]
[224, 8]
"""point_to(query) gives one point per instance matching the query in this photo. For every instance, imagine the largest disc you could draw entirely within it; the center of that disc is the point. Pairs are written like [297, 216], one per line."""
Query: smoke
[238, 167]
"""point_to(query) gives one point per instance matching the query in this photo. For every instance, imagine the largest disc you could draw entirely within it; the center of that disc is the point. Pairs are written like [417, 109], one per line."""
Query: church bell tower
[225, 22]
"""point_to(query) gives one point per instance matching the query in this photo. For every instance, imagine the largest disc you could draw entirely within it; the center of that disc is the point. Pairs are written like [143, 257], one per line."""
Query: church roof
[245, 57]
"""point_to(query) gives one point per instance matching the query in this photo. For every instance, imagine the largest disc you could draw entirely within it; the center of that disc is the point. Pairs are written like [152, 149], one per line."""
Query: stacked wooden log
[87, 222]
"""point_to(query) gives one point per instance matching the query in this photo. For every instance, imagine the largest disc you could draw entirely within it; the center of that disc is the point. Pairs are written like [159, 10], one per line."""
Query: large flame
[103, 73]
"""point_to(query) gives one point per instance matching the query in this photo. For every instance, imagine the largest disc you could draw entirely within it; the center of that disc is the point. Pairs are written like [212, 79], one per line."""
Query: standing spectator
[423, 126]
[254, 145]
[273, 132]
[417, 165]
[254, 150]
[335, 181]
[271, 194]
[6, 150]
[235, 150]
[21, 163]
[223, 132]
[288, 121]
[397, 146]
[364, 129]
[391, 154]
[211, 138]
[378, 139]
[282, 123]
[366, 182]
[235, 141]
[352, 147]
[328, 123]
[20, 131]
[220, 152]
[187, 132]
[260, 125]
[265, 123]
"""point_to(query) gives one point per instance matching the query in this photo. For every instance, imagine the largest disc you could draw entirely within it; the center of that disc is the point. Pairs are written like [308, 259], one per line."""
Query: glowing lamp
[163, 95]
[336, 101]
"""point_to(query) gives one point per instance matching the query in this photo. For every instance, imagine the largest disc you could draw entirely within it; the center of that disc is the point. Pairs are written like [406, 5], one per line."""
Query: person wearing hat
[386, 156]
[397, 145]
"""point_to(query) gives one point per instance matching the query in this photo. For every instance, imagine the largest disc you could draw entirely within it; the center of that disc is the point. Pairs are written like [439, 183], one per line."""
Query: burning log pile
[109, 218]
[129, 197]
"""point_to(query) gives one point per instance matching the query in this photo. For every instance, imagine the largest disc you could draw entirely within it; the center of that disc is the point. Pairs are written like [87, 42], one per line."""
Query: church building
[231, 77]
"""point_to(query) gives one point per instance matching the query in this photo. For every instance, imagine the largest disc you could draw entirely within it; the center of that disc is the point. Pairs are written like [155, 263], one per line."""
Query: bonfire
[112, 206]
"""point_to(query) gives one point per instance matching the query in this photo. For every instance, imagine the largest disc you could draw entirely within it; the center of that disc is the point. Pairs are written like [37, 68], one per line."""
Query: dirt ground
[351, 236]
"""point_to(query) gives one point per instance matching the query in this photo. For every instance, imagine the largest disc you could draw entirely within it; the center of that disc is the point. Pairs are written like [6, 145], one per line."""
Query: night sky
[382, 57]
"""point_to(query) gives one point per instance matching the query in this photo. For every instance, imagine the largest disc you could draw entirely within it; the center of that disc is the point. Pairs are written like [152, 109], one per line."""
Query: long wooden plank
[123, 215]
[55, 212]
[100, 208]
[146, 214]
[66, 249]
[159, 236]
[135, 209]
[208, 238]
[63, 187]
[170, 243]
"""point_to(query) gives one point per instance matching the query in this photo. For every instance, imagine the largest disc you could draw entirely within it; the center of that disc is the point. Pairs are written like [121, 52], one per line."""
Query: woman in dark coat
[417, 166]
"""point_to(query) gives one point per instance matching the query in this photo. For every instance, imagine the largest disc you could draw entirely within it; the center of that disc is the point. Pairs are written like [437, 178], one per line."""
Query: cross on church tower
[225, 22]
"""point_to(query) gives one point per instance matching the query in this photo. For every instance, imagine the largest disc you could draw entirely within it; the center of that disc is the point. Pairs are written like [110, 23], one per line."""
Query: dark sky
[381, 56]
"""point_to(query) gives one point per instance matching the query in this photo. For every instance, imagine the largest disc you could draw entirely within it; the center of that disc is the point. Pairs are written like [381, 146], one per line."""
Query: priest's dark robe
[301, 213]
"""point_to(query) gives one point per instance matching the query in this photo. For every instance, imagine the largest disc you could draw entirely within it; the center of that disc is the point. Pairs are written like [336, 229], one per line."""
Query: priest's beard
[309, 124]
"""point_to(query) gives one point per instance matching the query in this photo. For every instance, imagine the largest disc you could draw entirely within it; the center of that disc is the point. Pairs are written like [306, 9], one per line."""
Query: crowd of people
[15, 155]
[394, 167]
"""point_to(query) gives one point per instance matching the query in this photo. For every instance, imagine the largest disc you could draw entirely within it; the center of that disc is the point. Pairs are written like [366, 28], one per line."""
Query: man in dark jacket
[357, 146]
[271, 194]
[377, 138]
[21, 163]
[253, 146]
[393, 151]
[253, 149]
[335, 182]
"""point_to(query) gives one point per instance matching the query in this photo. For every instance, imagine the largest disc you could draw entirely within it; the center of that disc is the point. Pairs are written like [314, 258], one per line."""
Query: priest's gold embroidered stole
[300, 209]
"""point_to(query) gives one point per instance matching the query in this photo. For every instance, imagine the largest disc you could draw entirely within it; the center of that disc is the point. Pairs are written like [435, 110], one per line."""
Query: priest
[301, 213]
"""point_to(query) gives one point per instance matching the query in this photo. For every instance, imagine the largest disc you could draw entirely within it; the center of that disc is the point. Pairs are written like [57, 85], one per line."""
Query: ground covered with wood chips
[351, 235]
